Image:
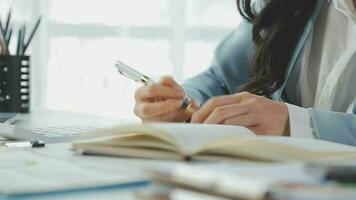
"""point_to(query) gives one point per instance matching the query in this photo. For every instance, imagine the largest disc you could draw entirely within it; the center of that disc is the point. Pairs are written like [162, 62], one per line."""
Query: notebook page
[193, 136]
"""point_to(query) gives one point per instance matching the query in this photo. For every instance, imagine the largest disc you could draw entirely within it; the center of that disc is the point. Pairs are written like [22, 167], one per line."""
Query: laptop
[55, 126]
[5, 117]
[52, 134]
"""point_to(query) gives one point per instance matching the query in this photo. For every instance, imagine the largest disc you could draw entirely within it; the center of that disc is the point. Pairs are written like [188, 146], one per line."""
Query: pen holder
[15, 84]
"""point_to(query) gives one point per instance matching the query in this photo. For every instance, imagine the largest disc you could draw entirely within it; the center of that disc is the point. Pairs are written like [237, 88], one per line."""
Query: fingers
[167, 81]
[179, 115]
[221, 114]
[154, 109]
[212, 104]
[246, 120]
[170, 82]
[157, 91]
[166, 88]
[161, 101]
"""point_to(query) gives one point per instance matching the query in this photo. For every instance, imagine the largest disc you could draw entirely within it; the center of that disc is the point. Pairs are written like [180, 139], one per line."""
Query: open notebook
[196, 141]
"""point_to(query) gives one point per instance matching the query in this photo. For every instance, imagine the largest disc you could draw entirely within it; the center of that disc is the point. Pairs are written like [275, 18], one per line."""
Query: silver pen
[32, 143]
[133, 74]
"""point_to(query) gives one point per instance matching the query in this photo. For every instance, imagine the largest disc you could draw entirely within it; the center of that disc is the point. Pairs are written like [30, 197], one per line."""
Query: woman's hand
[161, 102]
[261, 115]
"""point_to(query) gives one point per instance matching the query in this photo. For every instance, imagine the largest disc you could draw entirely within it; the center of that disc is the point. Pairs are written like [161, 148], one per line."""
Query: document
[27, 171]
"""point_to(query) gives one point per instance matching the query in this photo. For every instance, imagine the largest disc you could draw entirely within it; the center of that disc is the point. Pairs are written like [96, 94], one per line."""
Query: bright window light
[74, 53]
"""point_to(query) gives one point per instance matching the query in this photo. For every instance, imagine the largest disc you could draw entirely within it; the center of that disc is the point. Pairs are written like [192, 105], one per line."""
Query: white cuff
[300, 122]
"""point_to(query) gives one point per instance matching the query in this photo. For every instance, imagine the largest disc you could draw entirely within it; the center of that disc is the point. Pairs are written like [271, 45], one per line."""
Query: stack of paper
[258, 182]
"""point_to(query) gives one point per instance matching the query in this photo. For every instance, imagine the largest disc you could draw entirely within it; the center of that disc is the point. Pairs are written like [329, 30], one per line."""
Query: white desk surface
[56, 165]
[58, 118]
[15, 164]
[21, 166]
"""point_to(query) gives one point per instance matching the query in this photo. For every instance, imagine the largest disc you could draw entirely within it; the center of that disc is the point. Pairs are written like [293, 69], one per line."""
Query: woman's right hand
[161, 102]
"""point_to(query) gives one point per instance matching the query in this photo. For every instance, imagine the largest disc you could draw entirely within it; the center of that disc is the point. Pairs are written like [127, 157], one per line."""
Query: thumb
[167, 81]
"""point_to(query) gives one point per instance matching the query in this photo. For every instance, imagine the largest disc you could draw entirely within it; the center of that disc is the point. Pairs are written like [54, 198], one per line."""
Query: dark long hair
[276, 32]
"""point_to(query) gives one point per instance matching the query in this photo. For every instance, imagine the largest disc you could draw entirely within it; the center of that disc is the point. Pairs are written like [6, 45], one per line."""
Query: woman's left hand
[259, 114]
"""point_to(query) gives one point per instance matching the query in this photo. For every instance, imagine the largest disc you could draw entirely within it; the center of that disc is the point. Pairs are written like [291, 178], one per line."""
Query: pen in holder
[14, 83]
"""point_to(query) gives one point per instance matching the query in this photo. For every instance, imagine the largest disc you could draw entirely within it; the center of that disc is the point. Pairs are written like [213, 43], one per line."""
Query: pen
[22, 49]
[8, 39]
[7, 23]
[6, 34]
[133, 74]
[32, 144]
[2, 29]
[19, 42]
[2, 40]
[32, 34]
[2, 44]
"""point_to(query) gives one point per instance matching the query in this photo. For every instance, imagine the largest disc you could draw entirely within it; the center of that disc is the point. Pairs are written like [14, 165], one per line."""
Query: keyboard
[52, 134]
[62, 131]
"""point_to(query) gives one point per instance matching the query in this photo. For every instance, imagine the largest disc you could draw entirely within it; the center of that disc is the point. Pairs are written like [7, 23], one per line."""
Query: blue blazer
[230, 69]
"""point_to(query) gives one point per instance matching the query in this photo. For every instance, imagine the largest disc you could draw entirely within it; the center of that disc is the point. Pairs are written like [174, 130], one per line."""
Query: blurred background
[74, 52]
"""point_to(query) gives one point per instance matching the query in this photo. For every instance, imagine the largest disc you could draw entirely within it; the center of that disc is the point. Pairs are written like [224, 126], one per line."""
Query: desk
[58, 118]
[58, 155]
[19, 166]
[19, 170]
[56, 165]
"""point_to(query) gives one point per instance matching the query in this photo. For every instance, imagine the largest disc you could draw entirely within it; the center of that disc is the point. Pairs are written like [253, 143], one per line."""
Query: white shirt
[327, 66]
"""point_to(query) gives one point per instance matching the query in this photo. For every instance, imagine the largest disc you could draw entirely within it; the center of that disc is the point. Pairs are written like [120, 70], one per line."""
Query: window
[79, 41]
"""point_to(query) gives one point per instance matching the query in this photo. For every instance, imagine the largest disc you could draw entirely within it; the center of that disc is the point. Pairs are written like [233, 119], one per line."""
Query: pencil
[23, 40]
[2, 29]
[19, 42]
[8, 37]
[2, 40]
[7, 22]
[32, 34]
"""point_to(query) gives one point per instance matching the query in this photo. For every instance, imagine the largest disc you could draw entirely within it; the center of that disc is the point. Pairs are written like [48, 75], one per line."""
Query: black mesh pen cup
[15, 84]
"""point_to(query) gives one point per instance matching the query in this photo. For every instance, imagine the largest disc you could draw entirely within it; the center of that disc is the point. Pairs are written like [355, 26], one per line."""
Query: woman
[289, 69]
